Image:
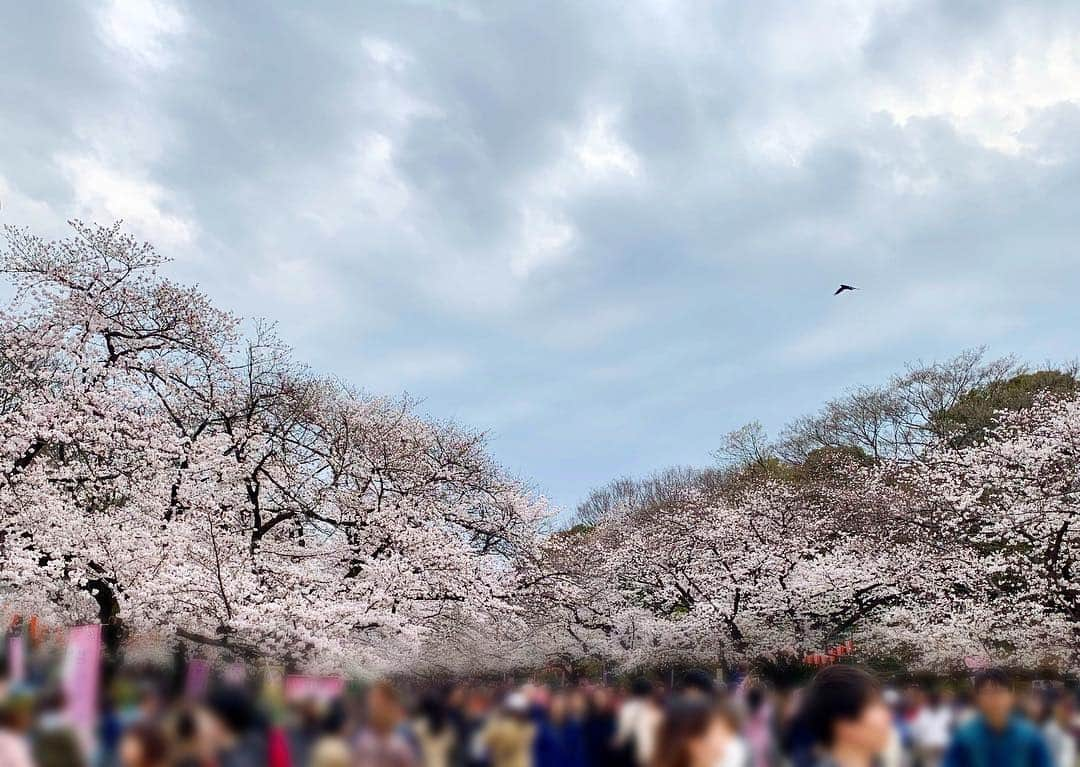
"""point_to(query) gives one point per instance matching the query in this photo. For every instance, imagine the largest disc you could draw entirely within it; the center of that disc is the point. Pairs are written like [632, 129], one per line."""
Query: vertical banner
[81, 678]
[17, 659]
[198, 675]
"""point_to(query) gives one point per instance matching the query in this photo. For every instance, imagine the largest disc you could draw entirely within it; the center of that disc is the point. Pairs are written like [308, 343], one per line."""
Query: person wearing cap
[997, 736]
[508, 737]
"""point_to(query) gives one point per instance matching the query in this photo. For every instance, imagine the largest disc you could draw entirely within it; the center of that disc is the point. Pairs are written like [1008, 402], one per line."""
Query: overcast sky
[605, 232]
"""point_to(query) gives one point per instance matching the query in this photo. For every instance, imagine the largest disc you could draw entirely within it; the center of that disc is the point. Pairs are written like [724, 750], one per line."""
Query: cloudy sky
[605, 232]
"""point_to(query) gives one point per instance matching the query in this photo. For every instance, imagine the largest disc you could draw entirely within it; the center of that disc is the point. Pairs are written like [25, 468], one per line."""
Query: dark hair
[185, 727]
[685, 720]
[151, 744]
[333, 721]
[641, 687]
[837, 693]
[234, 710]
[998, 677]
[433, 712]
[698, 681]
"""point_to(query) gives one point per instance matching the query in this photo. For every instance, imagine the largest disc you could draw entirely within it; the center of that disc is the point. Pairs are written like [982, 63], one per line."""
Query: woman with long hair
[694, 733]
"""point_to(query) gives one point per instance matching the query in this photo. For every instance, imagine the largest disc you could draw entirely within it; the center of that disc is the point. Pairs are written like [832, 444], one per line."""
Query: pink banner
[81, 677]
[198, 675]
[17, 659]
[320, 688]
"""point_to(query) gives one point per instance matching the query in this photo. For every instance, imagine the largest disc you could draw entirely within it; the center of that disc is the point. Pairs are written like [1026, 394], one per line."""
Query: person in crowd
[697, 684]
[233, 730]
[996, 735]
[306, 719]
[55, 743]
[796, 740]
[637, 724]
[143, 745]
[693, 733]
[599, 727]
[930, 728]
[508, 738]
[383, 741]
[572, 730]
[736, 752]
[15, 722]
[846, 716]
[189, 744]
[330, 747]
[546, 713]
[470, 717]
[1057, 730]
[759, 728]
[434, 733]
[559, 741]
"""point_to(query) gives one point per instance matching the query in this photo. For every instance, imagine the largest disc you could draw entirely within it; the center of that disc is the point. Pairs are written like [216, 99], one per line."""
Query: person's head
[641, 688]
[184, 730]
[558, 708]
[151, 702]
[16, 712]
[433, 713]
[693, 733]
[1036, 706]
[601, 701]
[333, 718]
[232, 715]
[1063, 711]
[994, 696]
[52, 701]
[697, 683]
[516, 705]
[383, 707]
[331, 753]
[843, 709]
[577, 704]
[755, 699]
[142, 746]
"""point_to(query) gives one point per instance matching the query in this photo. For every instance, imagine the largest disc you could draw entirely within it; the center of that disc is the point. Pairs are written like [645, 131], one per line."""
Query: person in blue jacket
[997, 736]
[559, 738]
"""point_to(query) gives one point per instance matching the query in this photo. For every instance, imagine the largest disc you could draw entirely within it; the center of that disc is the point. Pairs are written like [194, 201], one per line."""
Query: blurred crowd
[842, 717]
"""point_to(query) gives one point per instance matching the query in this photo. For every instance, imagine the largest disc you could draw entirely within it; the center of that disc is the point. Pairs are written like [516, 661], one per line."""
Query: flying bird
[842, 288]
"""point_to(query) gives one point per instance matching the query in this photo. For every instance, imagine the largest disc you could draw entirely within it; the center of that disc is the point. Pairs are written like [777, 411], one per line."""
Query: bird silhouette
[842, 288]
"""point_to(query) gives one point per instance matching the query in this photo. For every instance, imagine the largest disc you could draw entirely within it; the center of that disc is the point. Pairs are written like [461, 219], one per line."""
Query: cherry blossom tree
[724, 573]
[995, 523]
[161, 470]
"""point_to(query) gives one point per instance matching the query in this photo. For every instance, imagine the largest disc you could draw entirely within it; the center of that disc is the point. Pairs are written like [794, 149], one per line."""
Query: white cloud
[992, 96]
[545, 239]
[143, 30]
[385, 53]
[20, 209]
[105, 193]
[602, 152]
[366, 184]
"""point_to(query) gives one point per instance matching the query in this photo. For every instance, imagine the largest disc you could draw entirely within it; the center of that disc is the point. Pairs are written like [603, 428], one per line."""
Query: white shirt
[932, 727]
[638, 722]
